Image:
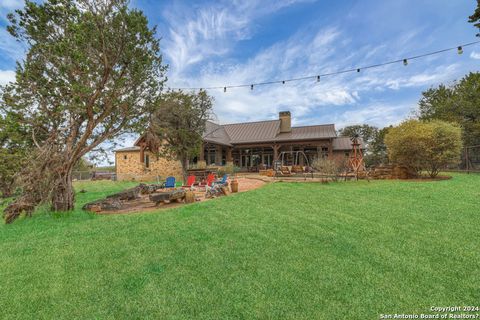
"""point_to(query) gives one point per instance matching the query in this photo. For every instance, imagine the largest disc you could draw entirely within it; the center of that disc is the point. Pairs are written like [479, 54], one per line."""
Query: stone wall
[129, 167]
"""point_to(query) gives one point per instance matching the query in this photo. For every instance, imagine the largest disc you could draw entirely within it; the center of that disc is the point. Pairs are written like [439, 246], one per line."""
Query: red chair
[190, 182]
[208, 182]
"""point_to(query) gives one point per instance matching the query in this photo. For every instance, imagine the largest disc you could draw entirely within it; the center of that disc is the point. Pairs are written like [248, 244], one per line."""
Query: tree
[429, 146]
[13, 148]
[377, 150]
[457, 103]
[91, 72]
[373, 139]
[178, 125]
[475, 18]
[365, 131]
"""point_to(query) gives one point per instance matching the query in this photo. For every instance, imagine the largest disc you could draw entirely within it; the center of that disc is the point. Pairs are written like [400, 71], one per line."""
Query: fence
[470, 160]
[82, 175]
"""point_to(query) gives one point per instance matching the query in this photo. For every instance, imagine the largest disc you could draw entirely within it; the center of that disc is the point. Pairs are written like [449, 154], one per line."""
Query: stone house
[249, 146]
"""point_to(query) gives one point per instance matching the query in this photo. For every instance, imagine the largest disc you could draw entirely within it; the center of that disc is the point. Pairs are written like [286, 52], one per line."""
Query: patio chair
[222, 181]
[170, 183]
[190, 182]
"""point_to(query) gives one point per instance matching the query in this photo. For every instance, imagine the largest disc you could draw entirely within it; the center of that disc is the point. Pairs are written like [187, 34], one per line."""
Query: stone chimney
[285, 121]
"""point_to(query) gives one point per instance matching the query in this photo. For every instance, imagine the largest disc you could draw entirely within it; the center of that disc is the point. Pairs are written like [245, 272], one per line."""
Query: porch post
[330, 149]
[240, 153]
[201, 163]
[229, 157]
[301, 160]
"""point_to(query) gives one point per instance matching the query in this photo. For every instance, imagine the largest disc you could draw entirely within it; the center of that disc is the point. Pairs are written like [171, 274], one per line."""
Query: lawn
[347, 250]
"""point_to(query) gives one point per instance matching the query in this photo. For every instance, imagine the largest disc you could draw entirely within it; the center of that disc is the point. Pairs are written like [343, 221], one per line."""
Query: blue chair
[170, 183]
[222, 181]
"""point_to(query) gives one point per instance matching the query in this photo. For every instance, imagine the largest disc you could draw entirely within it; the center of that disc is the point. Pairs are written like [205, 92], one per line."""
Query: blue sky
[217, 43]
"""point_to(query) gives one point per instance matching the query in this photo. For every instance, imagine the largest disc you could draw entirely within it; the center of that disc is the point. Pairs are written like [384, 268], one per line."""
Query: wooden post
[241, 161]
[330, 149]
[467, 160]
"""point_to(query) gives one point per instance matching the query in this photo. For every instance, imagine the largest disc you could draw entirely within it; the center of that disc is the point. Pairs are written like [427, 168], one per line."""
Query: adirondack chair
[190, 182]
[209, 181]
[222, 181]
[170, 183]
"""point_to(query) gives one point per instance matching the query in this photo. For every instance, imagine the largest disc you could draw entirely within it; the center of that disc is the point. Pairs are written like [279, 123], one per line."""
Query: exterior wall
[133, 170]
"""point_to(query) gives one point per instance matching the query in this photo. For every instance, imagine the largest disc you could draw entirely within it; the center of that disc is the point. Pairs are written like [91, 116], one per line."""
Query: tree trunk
[184, 162]
[63, 196]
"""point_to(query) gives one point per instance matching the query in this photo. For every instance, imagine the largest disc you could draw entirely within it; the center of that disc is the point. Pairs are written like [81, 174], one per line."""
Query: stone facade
[130, 167]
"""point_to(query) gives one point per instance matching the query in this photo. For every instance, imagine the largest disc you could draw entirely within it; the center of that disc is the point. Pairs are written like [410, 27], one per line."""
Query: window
[125, 157]
[347, 154]
[324, 153]
[147, 161]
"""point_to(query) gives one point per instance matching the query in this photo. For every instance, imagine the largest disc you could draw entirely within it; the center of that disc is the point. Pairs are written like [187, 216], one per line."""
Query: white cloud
[196, 34]
[475, 55]
[11, 4]
[6, 76]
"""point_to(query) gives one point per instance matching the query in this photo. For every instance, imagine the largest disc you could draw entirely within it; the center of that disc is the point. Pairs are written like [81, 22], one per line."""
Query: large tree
[457, 103]
[14, 143]
[91, 71]
[475, 18]
[178, 124]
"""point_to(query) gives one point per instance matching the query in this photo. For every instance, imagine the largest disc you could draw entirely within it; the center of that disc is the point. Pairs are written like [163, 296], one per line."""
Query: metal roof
[252, 132]
[344, 143]
[325, 131]
[216, 133]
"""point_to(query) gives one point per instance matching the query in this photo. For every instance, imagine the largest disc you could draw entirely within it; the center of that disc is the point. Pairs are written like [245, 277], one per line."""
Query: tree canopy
[475, 18]
[91, 72]
[458, 103]
[178, 124]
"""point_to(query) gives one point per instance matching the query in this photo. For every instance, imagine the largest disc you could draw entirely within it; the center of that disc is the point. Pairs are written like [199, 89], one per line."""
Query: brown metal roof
[344, 143]
[325, 131]
[216, 133]
[252, 132]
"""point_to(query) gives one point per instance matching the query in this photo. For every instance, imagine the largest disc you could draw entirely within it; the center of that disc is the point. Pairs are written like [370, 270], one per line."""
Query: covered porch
[257, 157]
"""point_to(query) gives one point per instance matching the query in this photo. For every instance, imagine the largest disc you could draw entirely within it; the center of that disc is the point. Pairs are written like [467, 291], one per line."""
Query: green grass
[349, 250]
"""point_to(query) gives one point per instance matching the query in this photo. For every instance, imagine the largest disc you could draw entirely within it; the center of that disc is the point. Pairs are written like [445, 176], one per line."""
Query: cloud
[6, 76]
[475, 55]
[11, 4]
[197, 34]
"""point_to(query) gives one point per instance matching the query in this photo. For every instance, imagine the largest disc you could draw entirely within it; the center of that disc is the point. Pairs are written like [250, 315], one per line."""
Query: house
[248, 145]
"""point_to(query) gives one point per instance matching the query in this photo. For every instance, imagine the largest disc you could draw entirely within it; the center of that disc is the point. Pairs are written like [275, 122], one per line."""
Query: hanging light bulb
[224, 89]
[318, 78]
[405, 62]
[283, 82]
[251, 87]
[460, 50]
[358, 70]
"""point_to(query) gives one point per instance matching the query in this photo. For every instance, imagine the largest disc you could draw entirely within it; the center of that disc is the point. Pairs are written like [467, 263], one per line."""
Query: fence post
[467, 160]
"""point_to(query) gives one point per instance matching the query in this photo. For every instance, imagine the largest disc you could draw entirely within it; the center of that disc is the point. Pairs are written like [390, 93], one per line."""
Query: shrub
[326, 166]
[428, 146]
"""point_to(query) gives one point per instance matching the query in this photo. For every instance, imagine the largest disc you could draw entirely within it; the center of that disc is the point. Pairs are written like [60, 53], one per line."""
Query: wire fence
[470, 160]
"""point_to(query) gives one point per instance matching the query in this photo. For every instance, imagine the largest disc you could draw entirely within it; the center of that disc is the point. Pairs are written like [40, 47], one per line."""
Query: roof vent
[285, 121]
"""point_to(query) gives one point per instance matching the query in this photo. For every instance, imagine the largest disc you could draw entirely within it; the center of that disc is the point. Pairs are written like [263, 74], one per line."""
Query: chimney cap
[284, 113]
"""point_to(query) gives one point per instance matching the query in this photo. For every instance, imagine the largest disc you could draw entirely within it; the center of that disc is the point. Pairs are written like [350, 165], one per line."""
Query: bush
[428, 146]
[327, 167]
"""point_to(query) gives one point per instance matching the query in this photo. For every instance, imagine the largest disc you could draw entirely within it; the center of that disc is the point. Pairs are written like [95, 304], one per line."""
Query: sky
[221, 43]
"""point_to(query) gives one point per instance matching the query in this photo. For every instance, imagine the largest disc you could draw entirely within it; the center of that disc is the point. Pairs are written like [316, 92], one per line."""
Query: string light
[357, 69]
